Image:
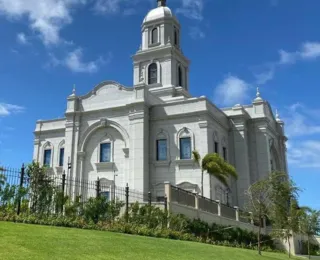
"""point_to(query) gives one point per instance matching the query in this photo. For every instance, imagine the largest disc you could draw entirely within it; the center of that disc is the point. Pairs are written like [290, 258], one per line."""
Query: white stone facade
[159, 107]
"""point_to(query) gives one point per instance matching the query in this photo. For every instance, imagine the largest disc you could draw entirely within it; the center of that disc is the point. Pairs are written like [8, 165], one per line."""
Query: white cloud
[308, 51]
[301, 121]
[107, 6]
[231, 91]
[304, 154]
[47, 17]
[266, 73]
[191, 9]
[74, 61]
[22, 38]
[8, 109]
[196, 33]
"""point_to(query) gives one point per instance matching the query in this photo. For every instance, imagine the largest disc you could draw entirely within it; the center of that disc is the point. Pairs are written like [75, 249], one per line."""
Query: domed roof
[158, 13]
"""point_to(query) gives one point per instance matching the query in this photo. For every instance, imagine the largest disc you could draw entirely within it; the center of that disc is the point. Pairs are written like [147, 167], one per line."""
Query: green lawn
[25, 241]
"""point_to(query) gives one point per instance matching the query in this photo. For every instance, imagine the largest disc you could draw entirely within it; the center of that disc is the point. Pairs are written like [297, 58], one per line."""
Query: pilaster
[241, 154]
[139, 157]
[203, 149]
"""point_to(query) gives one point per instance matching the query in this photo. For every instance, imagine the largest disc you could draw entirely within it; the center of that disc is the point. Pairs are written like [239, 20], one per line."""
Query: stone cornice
[203, 124]
[136, 115]
[55, 130]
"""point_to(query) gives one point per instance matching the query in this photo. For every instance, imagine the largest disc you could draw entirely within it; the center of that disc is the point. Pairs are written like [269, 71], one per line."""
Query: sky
[234, 46]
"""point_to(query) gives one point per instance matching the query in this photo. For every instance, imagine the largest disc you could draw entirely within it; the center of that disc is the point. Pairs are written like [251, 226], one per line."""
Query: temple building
[144, 134]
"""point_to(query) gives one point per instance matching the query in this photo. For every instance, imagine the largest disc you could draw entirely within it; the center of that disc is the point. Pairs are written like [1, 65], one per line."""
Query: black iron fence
[19, 191]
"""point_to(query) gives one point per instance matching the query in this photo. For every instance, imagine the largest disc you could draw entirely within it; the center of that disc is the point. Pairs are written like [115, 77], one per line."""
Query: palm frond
[196, 157]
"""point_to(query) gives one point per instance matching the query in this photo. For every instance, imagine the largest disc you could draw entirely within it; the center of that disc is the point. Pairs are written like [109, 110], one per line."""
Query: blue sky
[234, 46]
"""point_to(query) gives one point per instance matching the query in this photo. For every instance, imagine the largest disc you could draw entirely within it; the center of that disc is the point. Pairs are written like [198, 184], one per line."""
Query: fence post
[149, 199]
[98, 188]
[196, 203]
[63, 189]
[167, 201]
[219, 207]
[127, 203]
[20, 186]
[196, 200]
[166, 210]
[251, 218]
[237, 213]
[167, 192]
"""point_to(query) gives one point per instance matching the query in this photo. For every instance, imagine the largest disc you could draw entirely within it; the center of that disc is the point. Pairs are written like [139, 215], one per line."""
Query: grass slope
[24, 241]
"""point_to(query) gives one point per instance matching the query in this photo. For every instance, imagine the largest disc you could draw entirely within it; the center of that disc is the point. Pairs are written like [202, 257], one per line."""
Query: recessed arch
[189, 186]
[102, 124]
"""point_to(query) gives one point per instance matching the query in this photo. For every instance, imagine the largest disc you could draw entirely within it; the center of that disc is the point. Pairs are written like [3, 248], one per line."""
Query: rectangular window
[216, 147]
[224, 153]
[61, 156]
[162, 150]
[47, 157]
[105, 152]
[105, 194]
[185, 148]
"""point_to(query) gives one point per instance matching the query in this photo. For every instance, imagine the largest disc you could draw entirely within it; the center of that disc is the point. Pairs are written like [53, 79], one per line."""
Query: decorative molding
[59, 169]
[103, 122]
[203, 124]
[185, 162]
[126, 152]
[104, 165]
[81, 155]
[102, 84]
[161, 163]
[136, 115]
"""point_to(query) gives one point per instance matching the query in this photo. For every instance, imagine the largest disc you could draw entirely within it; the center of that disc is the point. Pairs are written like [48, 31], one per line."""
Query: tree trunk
[288, 238]
[309, 247]
[259, 240]
[202, 183]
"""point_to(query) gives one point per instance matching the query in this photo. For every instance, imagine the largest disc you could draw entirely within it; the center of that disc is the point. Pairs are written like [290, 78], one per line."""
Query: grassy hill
[24, 241]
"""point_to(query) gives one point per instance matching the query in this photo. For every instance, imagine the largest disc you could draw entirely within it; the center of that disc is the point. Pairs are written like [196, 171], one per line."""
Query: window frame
[224, 153]
[180, 77]
[216, 147]
[153, 66]
[176, 37]
[180, 146]
[157, 149]
[156, 30]
[61, 160]
[100, 152]
[44, 157]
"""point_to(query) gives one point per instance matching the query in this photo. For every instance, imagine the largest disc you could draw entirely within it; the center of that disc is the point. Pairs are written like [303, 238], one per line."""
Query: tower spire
[161, 2]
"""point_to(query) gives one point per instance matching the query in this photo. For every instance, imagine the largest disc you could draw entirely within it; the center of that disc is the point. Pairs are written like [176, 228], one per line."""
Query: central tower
[159, 62]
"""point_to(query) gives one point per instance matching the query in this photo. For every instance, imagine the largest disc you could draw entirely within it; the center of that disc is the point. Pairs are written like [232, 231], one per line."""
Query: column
[202, 146]
[139, 147]
[262, 152]
[241, 159]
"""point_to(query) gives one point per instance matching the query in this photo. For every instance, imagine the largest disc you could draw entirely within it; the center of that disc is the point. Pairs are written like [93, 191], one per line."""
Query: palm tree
[215, 166]
[310, 224]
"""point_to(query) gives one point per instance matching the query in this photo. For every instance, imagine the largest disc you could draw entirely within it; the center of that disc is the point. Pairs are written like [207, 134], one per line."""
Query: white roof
[158, 13]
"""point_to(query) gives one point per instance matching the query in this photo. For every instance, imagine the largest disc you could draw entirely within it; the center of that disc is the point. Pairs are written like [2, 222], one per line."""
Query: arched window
[179, 76]
[47, 154]
[162, 146]
[185, 143]
[152, 73]
[175, 36]
[154, 35]
[61, 153]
